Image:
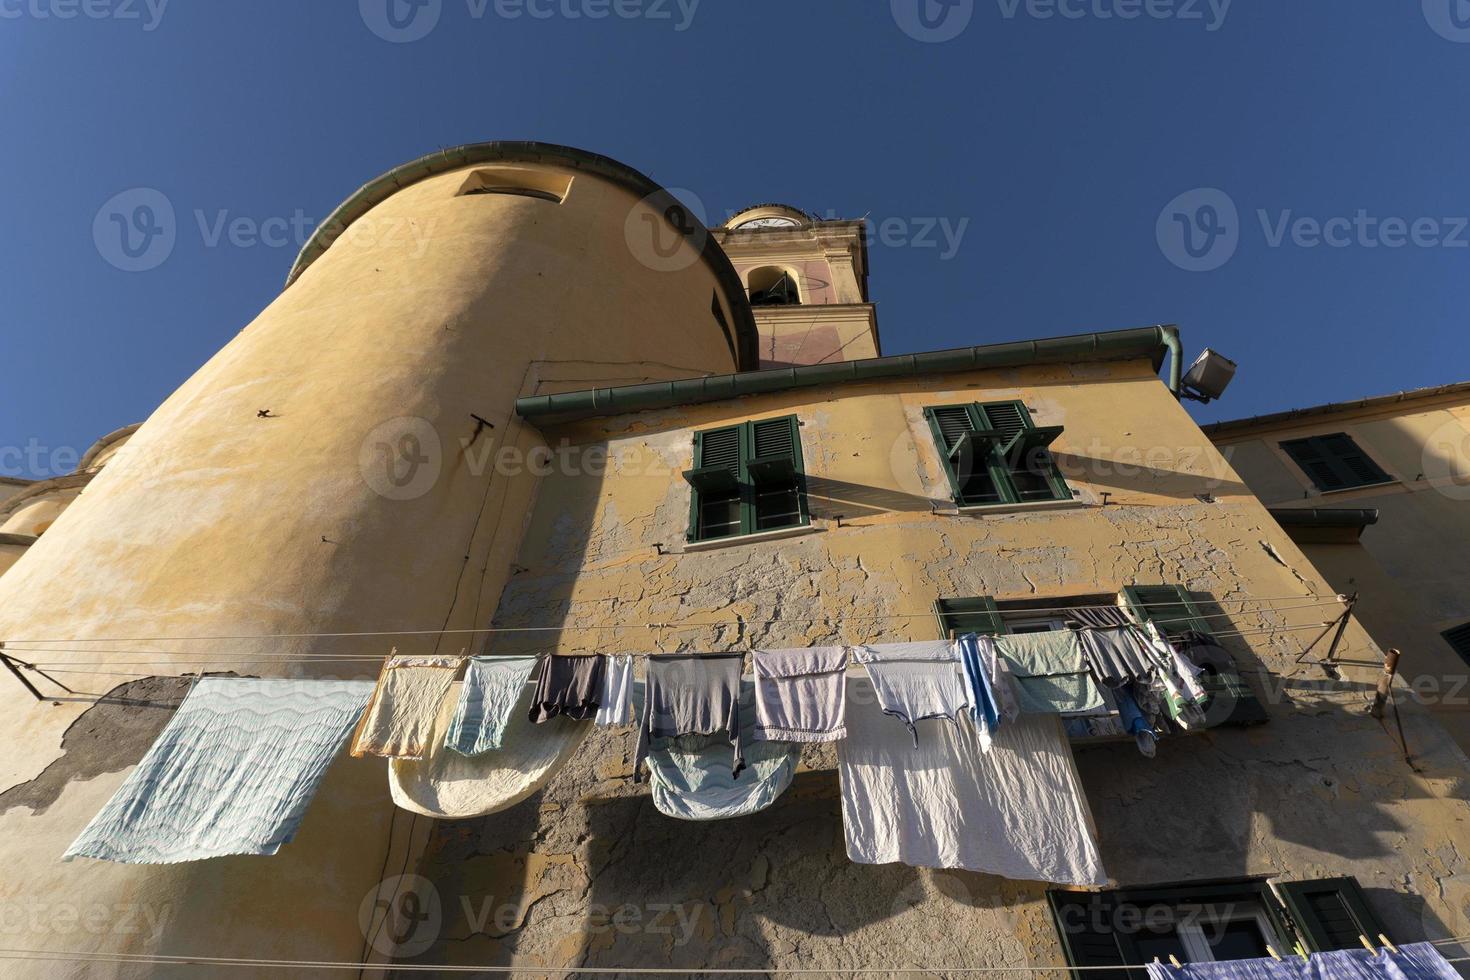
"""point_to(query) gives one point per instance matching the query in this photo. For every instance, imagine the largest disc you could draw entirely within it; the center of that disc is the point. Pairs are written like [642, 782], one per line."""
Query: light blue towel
[232, 773]
[492, 687]
[689, 776]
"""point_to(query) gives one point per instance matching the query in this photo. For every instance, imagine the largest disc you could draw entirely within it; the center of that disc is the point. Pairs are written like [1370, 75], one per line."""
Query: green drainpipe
[1176, 356]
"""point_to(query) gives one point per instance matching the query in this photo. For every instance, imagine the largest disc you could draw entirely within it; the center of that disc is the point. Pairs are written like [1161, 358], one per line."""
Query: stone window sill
[979, 510]
[735, 540]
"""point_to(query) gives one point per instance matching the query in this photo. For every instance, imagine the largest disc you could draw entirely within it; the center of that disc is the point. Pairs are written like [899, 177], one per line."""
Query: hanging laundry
[691, 694]
[615, 705]
[399, 716]
[1051, 672]
[1016, 811]
[1099, 617]
[1132, 721]
[448, 784]
[570, 686]
[689, 776]
[1118, 655]
[1177, 683]
[492, 687]
[800, 695]
[231, 773]
[916, 681]
[1414, 961]
[992, 691]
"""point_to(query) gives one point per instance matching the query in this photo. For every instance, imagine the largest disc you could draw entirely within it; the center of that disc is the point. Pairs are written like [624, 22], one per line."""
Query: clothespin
[1388, 945]
[1272, 950]
[1367, 945]
[1175, 961]
[1302, 952]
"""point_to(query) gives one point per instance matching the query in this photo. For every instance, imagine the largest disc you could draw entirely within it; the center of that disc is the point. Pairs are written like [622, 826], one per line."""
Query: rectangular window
[1203, 922]
[1459, 638]
[1334, 462]
[995, 454]
[747, 478]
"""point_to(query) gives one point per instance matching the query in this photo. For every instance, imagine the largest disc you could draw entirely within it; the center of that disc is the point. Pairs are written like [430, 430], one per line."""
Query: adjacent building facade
[563, 411]
[1377, 492]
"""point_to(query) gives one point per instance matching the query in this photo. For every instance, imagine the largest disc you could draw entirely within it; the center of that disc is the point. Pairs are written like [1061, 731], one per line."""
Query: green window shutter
[773, 469]
[1232, 703]
[973, 615]
[1334, 462]
[993, 454]
[746, 478]
[718, 448]
[1084, 922]
[1330, 913]
[1007, 418]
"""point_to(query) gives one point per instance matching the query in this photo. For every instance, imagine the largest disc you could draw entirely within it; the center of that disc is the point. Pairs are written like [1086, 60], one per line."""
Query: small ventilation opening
[540, 184]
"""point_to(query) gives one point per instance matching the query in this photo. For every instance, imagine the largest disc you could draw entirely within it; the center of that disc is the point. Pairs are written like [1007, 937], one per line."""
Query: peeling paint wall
[588, 873]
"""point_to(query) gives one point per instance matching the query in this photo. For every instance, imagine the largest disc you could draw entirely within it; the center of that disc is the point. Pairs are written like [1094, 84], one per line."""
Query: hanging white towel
[616, 707]
[916, 681]
[800, 695]
[1016, 811]
[231, 773]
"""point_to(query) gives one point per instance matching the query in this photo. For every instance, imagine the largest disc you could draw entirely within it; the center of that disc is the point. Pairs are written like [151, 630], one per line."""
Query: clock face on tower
[772, 222]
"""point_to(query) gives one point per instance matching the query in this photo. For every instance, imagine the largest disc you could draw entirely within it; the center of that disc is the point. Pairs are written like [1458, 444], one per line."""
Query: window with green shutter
[1334, 462]
[747, 478]
[1173, 610]
[958, 617]
[1330, 913]
[994, 453]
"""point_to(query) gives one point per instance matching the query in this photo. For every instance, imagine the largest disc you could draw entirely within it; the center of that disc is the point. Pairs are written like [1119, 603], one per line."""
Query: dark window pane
[777, 507]
[719, 515]
[1162, 945]
[1238, 940]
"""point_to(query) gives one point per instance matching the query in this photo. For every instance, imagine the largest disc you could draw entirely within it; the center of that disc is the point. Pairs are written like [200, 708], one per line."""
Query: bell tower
[807, 281]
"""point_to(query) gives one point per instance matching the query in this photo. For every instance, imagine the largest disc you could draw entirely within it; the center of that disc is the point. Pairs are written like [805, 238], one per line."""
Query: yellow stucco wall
[1410, 568]
[1320, 790]
[321, 473]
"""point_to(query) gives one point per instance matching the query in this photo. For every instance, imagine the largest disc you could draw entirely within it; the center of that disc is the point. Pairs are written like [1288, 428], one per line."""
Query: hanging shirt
[568, 686]
[916, 681]
[1016, 811]
[1118, 655]
[992, 688]
[408, 696]
[691, 694]
[800, 695]
[231, 773]
[689, 776]
[447, 784]
[615, 707]
[1051, 672]
[492, 687]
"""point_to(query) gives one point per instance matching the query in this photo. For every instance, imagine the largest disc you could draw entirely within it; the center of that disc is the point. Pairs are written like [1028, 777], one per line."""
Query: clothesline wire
[203, 659]
[159, 959]
[1322, 600]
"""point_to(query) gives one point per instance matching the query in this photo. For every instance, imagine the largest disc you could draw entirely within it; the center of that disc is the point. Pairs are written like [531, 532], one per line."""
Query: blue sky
[1085, 157]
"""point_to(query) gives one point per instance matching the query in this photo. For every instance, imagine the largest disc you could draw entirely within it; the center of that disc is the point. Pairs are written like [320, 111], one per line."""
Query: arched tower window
[773, 286]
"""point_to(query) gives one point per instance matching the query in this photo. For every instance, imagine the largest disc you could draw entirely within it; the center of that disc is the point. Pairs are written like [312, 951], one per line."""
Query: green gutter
[745, 343]
[1117, 345]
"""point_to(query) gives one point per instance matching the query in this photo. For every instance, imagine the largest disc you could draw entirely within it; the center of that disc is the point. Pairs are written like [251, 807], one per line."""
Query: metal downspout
[1170, 334]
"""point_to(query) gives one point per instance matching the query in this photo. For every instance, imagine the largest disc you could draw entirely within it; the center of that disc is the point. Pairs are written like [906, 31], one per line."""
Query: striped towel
[232, 773]
[492, 687]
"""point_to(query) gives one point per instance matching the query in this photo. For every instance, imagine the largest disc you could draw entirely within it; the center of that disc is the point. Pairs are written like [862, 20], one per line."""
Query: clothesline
[1322, 600]
[199, 659]
[168, 960]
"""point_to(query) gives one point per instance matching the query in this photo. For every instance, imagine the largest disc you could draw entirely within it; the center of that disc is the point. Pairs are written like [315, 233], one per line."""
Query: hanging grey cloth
[691, 694]
[1099, 618]
[568, 686]
[1118, 656]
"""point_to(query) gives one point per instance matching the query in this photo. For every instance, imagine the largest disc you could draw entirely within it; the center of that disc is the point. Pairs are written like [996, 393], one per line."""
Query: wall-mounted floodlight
[1208, 377]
